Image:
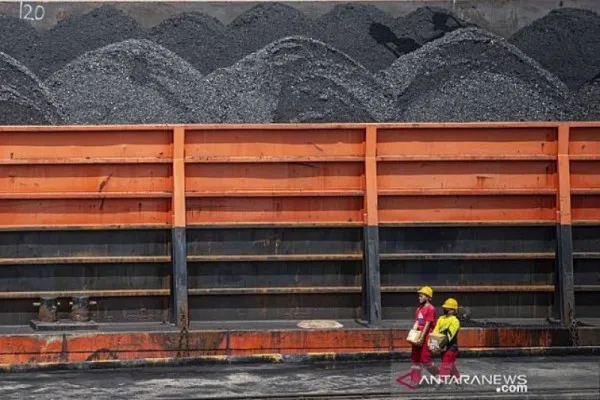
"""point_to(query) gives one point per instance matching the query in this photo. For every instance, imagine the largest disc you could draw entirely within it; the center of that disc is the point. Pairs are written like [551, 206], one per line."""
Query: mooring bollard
[48, 307]
[80, 308]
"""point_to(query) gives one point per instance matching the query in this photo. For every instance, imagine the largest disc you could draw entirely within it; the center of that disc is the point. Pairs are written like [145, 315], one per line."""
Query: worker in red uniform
[449, 325]
[425, 317]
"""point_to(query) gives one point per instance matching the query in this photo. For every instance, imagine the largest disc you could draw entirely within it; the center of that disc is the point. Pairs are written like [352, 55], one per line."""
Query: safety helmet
[451, 304]
[426, 290]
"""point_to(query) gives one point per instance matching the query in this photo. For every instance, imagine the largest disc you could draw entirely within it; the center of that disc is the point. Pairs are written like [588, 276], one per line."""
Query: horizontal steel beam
[85, 260]
[587, 288]
[274, 290]
[271, 159]
[98, 160]
[586, 255]
[88, 293]
[357, 289]
[277, 193]
[466, 157]
[275, 257]
[468, 256]
[85, 195]
[466, 192]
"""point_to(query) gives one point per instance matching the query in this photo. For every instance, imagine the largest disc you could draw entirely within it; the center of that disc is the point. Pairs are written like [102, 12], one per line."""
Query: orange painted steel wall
[93, 176]
[122, 176]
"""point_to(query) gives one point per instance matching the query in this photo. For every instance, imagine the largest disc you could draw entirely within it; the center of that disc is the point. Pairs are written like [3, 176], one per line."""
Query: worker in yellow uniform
[448, 325]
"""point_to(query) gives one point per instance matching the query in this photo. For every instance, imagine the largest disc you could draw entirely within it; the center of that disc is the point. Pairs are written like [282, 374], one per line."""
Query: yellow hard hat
[426, 290]
[451, 304]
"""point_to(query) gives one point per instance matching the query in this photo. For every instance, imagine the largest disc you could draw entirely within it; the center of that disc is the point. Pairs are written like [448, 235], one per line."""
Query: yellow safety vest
[448, 325]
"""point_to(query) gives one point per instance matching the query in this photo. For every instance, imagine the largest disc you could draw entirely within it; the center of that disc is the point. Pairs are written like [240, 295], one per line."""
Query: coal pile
[264, 24]
[482, 96]
[77, 35]
[566, 42]
[585, 103]
[274, 64]
[201, 40]
[295, 80]
[349, 28]
[132, 82]
[473, 75]
[19, 39]
[426, 24]
[24, 100]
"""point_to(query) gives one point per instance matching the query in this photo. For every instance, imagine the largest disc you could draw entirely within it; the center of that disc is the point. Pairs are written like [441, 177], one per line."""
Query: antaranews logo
[502, 383]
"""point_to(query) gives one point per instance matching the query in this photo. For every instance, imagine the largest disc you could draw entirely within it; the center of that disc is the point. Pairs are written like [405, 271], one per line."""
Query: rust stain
[317, 146]
[104, 182]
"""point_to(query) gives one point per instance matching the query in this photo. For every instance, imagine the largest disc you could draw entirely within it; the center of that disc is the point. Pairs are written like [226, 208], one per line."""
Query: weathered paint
[78, 347]
[311, 174]
[179, 275]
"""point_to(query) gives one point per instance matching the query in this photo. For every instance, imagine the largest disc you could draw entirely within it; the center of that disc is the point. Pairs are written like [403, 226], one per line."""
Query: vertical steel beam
[371, 273]
[179, 274]
[566, 293]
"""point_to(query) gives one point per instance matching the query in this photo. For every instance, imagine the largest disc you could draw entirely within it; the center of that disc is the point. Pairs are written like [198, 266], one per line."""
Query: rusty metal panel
[52, 146]
[83, 277]
[280, 210]
[482, 305]
[480, 176]
[84, 212]
[467, 209]
[315, 341]
[586, 243]
[585, 175]
[228, 179]
[268, 242]
[586, 208]
[586, 238]
[468, 239]
[115, 309]
[479, 141]
[467, 272]
[586, 272]
[266, 339]
[58, 248]
[275, 274]
[256, 143]
[584, 142]
[76, 243]
[264, 241]
[131, 309]
[99, 178]
[275, 307]
[587, 305]
[17, 311]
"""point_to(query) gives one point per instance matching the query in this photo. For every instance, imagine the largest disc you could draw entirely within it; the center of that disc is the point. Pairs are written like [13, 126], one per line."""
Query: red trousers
[420, 356]
[449, 364]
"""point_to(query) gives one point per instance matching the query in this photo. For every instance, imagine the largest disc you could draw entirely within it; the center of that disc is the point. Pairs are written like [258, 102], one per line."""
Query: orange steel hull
[329, 175]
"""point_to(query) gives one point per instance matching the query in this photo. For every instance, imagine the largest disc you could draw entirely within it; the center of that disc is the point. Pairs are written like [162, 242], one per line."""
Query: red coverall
[421, 355]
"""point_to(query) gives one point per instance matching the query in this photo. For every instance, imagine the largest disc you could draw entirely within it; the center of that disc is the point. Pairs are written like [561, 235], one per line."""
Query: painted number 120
[31, 12]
